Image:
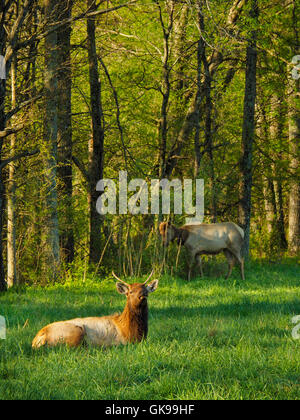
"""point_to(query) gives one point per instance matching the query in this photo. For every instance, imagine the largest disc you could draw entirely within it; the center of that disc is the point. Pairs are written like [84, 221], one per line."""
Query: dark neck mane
[134, 323]
[180, 235]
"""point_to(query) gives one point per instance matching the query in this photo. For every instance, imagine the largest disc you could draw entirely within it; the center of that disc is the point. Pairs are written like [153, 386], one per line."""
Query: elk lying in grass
[129, 327]
[204, 239]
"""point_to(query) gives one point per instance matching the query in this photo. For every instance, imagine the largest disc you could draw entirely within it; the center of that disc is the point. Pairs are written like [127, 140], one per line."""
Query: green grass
[208, 339]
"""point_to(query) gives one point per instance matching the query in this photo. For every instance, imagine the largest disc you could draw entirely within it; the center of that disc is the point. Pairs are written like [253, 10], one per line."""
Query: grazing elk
[129, 327]
[204, 239]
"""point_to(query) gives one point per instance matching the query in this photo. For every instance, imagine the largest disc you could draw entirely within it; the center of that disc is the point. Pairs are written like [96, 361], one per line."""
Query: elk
[205, 239]
[131, 326]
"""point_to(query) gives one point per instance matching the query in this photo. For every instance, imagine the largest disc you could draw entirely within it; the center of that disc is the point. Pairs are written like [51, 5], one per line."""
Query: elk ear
[152, 286]
[122, 288]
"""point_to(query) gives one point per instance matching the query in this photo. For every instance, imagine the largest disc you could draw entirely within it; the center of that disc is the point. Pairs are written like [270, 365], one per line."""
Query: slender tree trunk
[268, 190]
[11, 196]
[96, 146]
[3, 285]
[248, 133]
[209, 137]
[207, 87]
[276, 131]
[294, 199]
[50, 130]
[270, 203]
[294, 140]
[200, 51]
[64, 170]
[166, 90]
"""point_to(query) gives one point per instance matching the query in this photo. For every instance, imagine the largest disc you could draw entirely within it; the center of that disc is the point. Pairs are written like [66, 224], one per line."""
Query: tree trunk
[96, 146]
[11, 196]
[64, 135]
[166, 90]
[268, 190]
[248, 133]
[294, 199]
[3, 285]
[276, 131]
[294, 140]
[50, 132]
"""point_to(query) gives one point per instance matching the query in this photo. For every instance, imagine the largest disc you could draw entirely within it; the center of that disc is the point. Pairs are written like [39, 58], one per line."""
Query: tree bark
[11, 197]
[96, 146]
[276, 189]
[64, 135]
[294, 198]
[248, 133]
[294, 141]
[50, 131]
[3, 285]
[166, 89]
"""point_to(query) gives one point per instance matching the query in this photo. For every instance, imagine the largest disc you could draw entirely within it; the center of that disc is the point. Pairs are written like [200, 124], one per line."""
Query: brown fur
[133, 322]
[129, 327]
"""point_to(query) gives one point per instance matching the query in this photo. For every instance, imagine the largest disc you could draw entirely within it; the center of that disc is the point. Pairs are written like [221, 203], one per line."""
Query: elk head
[136, 293]
[167, 232]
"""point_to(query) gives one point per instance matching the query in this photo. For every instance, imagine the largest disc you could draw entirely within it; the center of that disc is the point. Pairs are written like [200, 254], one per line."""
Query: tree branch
[27, 153]
[82, 169]
[9, 131]
[14, 111]
[86, 14]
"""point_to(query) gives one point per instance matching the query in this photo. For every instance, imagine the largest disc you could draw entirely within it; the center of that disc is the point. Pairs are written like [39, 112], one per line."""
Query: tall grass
[208, 339]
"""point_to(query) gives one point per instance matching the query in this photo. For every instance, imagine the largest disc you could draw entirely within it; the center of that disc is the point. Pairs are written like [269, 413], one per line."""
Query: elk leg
[242, 268]
[191, 262]
[199, 262]
[240, 259]
[189, 272]
[230, 260]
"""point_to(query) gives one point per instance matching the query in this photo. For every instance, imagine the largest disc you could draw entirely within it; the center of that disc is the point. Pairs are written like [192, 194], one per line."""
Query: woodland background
[162, 89]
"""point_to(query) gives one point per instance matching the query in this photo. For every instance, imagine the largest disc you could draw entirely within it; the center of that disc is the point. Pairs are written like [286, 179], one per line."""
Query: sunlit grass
[208, 339]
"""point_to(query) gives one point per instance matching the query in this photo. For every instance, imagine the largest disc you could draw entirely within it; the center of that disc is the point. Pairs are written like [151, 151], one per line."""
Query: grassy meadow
[208, 339]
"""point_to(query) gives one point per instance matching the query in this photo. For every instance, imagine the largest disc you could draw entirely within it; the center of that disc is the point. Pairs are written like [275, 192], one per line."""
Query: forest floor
[208, 339]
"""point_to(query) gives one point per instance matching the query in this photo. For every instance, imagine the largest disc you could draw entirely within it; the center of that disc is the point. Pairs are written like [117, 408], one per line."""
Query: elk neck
[133, 322]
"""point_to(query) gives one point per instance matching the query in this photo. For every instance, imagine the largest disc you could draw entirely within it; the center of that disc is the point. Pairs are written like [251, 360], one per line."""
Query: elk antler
[149, 277]
[116, 277]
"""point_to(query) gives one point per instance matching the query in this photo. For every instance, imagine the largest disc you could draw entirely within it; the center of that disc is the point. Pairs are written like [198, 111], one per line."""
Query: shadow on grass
[242, 309]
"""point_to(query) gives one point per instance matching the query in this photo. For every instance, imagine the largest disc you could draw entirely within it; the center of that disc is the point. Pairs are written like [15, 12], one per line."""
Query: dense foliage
[169, 78]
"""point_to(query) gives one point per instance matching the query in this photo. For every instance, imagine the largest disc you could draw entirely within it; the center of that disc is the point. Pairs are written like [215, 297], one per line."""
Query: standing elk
[129, 327]
[204, 239]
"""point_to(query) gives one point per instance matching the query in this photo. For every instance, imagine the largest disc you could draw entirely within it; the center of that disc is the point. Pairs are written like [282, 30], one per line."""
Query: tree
[294, 140]
[9, 34]
[64, 134]
[248, 130]
[52, 263]
[96, 144]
